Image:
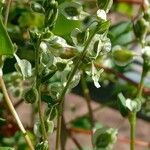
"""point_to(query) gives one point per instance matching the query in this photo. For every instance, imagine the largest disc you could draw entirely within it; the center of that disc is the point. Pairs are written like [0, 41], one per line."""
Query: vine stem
[38, 87]
[14, 113]
[61, 99]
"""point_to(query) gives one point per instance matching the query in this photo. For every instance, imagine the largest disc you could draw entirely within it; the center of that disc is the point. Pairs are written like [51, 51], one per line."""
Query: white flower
[146, 51]
[102, 14]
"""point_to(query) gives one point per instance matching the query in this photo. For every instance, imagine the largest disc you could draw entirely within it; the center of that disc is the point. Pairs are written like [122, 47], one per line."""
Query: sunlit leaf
[96, 75]
[6, 46]
[24, 67]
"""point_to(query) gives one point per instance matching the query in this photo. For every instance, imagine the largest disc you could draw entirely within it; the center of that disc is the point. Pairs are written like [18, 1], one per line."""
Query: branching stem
[61, 99]
[38, 87]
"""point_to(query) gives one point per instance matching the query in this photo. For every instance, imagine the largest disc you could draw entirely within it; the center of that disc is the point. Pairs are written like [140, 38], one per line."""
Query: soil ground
[106, 116]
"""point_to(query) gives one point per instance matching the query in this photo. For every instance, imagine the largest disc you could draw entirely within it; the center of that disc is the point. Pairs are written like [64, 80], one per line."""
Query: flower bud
[146, 58]
[140, 28]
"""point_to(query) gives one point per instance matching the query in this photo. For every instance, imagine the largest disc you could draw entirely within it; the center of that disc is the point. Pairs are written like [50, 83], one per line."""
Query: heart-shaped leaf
[79, 37]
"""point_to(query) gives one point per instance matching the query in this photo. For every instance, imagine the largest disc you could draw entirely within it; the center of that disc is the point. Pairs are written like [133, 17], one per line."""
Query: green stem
[86, 93]
[132, 121]
[14, 113]
[6, 96]
[132, 116]
[38, 87]
[61, 99]
[7, 12]
[58, 132]
[140, 86]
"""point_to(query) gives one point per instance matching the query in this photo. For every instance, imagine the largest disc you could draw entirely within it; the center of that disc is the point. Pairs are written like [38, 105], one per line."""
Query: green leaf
[46, 77]
[141, 28]
[49, 100]
[103, 26]
[49, 125]
[64, 26]
[57, 45]
[82, 123]
[124, 8]
[96, 75]
[105, 4]
[24, 67]
[79, 37]
[133, 105]
[31, 20]
[42, 146]
[127, 105]
[37, 7]
[30, 95]
[6, 148]
[122, 33]
[104, 138]
[2, 120]
[99, 45]
[6, 46]
[146, 58]
[52, 111]
[71, 10]
[122, 105]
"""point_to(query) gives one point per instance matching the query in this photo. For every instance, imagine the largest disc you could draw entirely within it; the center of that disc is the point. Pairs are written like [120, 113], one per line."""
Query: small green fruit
[122, 57]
